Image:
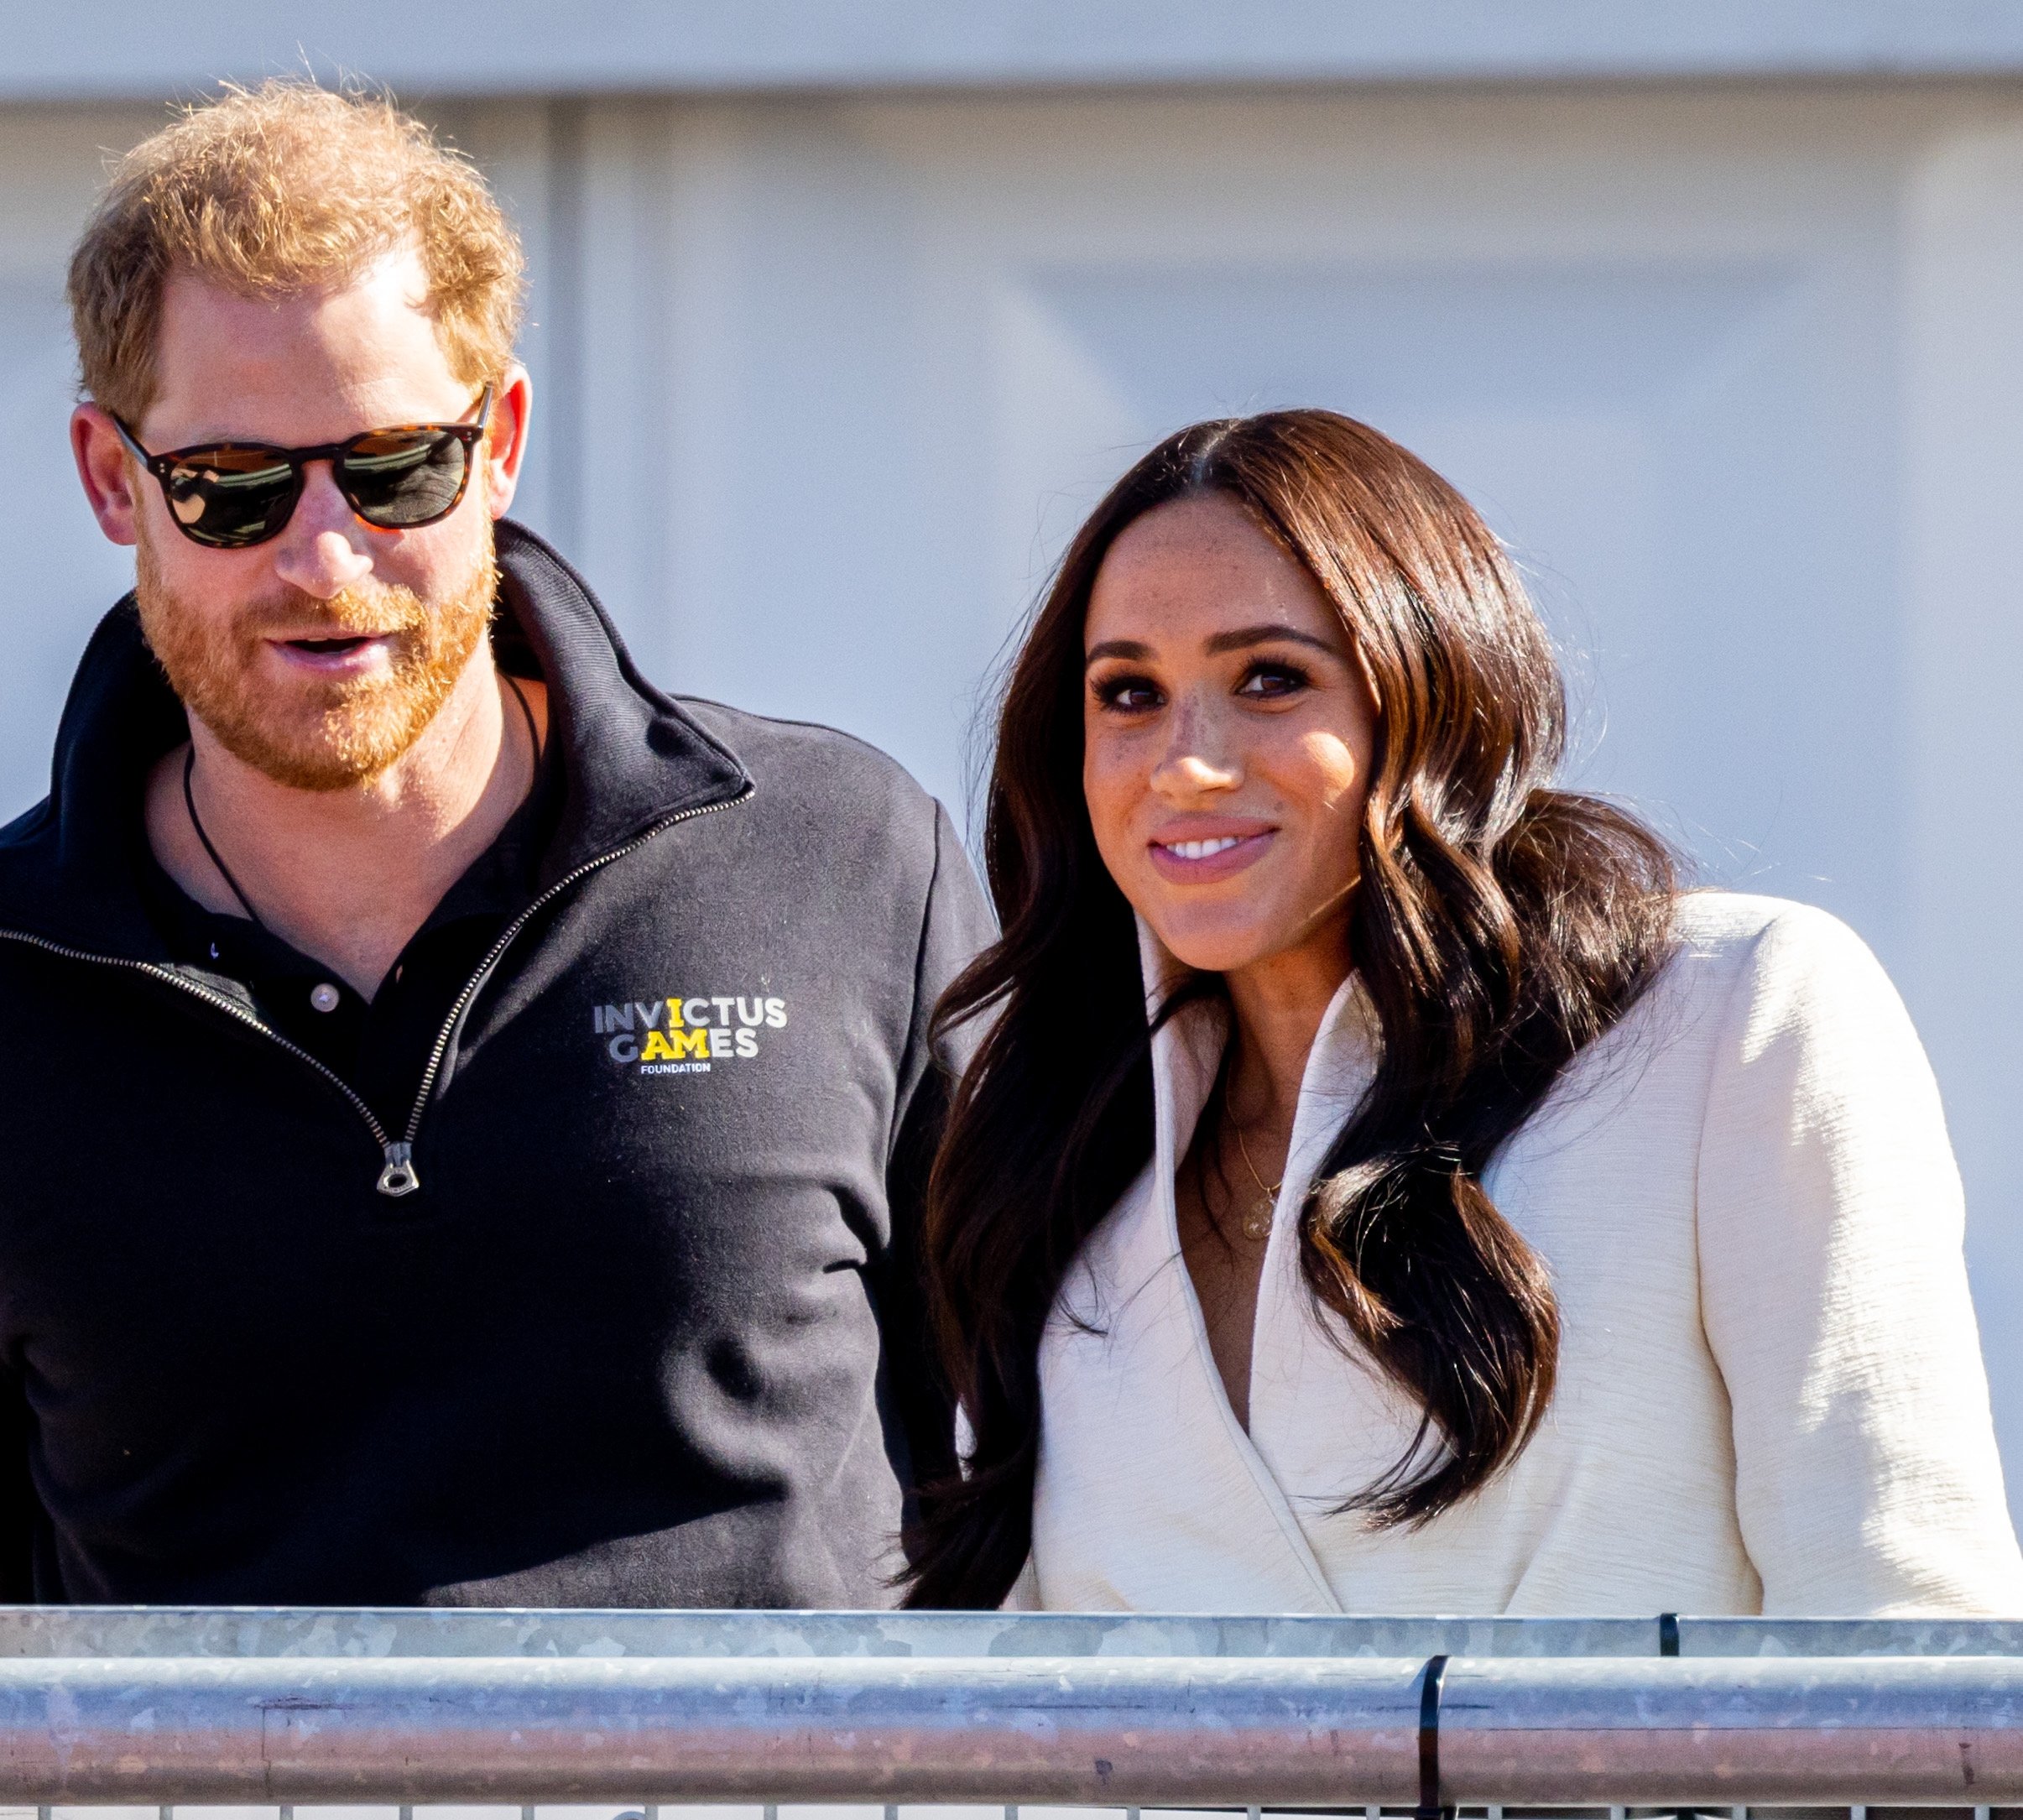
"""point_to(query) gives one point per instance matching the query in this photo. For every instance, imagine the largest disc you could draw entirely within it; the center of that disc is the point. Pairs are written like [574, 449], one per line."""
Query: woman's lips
[1201, 859]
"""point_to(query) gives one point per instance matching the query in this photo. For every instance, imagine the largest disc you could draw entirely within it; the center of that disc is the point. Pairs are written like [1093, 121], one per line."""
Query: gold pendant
[1258, 1225]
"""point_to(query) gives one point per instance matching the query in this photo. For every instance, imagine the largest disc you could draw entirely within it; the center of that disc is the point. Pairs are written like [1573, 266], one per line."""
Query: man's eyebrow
[1250, 635]
[1126, 647]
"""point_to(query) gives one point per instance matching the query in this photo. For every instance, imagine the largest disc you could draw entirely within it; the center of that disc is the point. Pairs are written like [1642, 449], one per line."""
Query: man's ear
[505, 446]
[109, 474]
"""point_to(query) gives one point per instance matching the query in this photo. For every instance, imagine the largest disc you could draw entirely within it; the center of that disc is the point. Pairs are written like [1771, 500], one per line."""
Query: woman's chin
[1215, 944]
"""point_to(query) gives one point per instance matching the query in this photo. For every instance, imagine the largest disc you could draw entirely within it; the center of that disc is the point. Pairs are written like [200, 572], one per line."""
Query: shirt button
[324, 998]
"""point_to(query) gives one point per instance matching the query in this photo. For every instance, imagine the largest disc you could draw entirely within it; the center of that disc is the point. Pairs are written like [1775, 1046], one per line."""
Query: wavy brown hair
[1498, 926]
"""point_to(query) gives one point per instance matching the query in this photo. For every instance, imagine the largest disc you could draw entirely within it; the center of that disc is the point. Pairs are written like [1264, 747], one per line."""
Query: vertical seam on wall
[566, 303]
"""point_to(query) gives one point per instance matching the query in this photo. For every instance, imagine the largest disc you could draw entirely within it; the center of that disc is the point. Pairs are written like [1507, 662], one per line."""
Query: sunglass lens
[231, 496]
[402, 479]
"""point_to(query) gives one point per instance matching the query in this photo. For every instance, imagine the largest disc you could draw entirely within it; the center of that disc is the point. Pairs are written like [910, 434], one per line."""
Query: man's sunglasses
[229, 495]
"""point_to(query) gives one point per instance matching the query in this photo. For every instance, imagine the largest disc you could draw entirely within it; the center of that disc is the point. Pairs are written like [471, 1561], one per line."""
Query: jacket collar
[631, 758]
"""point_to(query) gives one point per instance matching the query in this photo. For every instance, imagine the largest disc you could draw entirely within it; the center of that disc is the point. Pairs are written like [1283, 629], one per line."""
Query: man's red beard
[317, 733]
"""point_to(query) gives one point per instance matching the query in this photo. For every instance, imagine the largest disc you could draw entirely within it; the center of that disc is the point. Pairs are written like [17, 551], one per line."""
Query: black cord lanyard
[217, 859]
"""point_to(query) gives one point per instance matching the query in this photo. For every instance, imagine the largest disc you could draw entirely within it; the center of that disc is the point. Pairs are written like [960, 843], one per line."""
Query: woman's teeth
[1200, 849]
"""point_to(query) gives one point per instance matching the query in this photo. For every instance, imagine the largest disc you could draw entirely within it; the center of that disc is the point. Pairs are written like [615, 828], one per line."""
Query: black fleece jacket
[647, 1329]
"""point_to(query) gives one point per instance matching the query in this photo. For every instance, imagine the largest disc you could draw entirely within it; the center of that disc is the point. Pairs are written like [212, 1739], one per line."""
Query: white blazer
[1771, 1396]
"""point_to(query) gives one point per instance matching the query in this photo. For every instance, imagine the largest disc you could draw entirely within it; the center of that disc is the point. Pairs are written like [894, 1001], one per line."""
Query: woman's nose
[1197, 760]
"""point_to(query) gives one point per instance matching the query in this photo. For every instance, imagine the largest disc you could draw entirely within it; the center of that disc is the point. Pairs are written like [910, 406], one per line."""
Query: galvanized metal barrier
[158, 1707]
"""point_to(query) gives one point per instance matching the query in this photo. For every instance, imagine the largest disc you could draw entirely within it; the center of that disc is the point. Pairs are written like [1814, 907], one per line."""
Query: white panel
[59, 575]
[923, 340]
[514, 143]
[824, 527]
[1960, 854]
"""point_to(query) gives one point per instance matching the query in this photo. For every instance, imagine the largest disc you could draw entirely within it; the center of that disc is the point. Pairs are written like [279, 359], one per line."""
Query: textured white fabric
[1770, 1391]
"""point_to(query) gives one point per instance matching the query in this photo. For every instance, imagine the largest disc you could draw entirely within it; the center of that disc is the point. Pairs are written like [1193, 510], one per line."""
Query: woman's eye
[1267, 682]
[1127, 695]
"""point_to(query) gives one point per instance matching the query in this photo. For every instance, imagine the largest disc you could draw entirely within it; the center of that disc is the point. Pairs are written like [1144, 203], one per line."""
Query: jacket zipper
[398, 1177]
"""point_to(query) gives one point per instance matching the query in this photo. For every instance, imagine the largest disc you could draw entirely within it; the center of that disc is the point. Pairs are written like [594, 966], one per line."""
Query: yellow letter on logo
[657, 1047]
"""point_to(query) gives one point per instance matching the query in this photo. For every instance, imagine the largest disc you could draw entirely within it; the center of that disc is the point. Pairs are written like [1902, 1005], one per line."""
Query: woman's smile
[1202, 850]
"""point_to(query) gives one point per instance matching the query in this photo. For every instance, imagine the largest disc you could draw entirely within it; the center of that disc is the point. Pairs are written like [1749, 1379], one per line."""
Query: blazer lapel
[1187, 1053]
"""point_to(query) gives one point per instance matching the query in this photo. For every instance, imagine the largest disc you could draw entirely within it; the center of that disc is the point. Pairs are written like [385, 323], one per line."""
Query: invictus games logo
[686, 1035]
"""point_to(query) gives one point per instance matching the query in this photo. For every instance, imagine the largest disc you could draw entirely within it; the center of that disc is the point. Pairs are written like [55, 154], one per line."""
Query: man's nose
[322, 550]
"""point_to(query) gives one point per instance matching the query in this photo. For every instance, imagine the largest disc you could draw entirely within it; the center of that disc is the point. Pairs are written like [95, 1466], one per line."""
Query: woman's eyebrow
[1250, 635]
[1132, 650]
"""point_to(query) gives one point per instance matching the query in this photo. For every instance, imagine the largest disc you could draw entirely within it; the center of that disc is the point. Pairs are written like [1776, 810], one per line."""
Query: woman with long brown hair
[1380, 1186]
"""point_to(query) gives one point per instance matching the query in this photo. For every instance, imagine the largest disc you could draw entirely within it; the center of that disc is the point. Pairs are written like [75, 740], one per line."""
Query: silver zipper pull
[399, 1177]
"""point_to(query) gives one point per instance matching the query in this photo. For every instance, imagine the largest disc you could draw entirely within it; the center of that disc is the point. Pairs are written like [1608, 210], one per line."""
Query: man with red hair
[471, 1109]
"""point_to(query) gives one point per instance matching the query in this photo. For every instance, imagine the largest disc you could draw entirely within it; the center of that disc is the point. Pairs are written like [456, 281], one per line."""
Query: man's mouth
[338, 654]
[332, 646]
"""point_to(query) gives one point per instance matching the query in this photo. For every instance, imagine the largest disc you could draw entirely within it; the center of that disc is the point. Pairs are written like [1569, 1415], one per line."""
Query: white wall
[57, 574]
[1739, 373]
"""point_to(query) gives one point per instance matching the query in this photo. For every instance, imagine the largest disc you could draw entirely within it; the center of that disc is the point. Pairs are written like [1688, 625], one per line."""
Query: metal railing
[274, 1708]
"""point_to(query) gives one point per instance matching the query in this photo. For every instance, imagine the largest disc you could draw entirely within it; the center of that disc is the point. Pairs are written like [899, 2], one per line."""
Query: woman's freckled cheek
[1112, 786]
[1332, 766]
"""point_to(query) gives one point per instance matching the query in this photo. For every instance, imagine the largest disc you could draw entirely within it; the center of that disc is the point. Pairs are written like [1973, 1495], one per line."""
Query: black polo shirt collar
[378, 1047]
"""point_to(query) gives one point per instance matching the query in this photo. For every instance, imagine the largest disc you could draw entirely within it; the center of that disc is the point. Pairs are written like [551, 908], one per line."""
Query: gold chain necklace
[1257, 1223]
